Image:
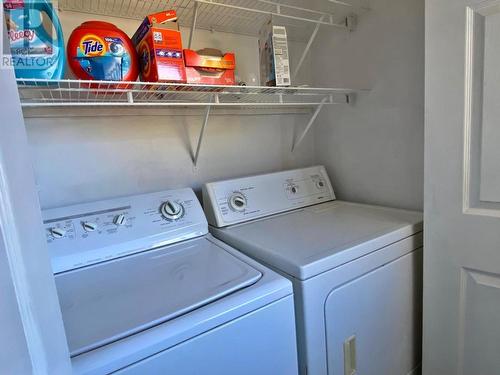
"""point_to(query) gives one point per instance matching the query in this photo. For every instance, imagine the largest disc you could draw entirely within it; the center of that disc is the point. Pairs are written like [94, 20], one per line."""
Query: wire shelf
[76, 93]
[234, 16]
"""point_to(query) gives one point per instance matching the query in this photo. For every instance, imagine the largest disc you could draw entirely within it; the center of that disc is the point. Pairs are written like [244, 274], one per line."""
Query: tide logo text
[92, 46]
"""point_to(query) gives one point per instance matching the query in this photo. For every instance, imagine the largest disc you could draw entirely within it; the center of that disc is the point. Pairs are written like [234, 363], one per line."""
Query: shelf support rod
[130, 97]
[202, 135]
[309, 124]
[308, 47]
[193, 25]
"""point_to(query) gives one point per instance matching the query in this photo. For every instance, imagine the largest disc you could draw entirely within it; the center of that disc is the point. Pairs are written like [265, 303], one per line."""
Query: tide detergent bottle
[101, 51]
[36, 39]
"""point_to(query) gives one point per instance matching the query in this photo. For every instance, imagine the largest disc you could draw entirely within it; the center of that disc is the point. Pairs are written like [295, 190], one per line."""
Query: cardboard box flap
[166, 19]
[162, 17]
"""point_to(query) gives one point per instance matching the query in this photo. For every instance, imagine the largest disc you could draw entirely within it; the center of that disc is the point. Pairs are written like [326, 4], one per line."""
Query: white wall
[374, 150]
[84, 159]
[95, 157]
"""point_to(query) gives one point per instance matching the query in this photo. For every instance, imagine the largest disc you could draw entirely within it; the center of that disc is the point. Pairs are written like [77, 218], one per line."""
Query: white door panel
[480, 323]
[462, 197]
[490, 152]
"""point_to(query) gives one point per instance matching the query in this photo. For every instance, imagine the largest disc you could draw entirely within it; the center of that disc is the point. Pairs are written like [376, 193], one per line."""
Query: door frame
[22, 241]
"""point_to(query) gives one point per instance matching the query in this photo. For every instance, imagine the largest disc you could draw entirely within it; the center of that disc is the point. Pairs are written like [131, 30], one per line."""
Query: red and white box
[210, 67]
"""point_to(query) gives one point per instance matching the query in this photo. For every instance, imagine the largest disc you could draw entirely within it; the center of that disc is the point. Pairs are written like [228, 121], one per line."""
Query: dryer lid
[109, 301]
[306, 242]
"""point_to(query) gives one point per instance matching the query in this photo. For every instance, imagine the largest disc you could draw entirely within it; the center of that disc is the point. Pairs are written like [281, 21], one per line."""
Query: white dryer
[144, 289]
[356, 269]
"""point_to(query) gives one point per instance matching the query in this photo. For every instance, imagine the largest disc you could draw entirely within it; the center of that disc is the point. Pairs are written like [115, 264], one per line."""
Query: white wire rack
[234, 16]
[76, 93]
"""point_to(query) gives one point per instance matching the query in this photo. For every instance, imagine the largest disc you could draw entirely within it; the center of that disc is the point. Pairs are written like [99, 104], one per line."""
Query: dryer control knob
[171, 210]
[89, 226]
[238, 202]
[58, 232]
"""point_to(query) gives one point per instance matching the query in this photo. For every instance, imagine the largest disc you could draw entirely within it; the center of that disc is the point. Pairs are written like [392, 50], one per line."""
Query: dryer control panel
[90, 233]
[239, 200]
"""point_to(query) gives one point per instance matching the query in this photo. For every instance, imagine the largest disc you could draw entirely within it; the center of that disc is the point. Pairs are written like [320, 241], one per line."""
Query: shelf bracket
[130, 97]
[351, 22]
[193, 25]
[309, 124]
[306, 50]
[202, 135]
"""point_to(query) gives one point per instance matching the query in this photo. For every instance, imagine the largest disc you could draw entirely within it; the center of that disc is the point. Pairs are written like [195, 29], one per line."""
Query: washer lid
[108, 301]
[309, 241]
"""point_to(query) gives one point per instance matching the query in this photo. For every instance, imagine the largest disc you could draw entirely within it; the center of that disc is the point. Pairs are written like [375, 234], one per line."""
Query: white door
[462, 188]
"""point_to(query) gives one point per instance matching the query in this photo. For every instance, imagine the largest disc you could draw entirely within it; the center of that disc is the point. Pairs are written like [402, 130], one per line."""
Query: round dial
[89, 226]
[320, 184]
[120, 219]
[58, 232]
[238, 202]
[172, 210]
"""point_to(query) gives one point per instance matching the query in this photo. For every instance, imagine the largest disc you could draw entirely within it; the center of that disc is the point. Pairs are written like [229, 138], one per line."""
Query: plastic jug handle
[47, 8]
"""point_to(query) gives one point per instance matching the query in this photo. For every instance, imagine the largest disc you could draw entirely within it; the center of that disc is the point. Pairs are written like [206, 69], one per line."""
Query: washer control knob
[294, 189]
[320, 184]
[120, 220]
[89, 226]
[238, 202]
[58, 232]
[171, 210]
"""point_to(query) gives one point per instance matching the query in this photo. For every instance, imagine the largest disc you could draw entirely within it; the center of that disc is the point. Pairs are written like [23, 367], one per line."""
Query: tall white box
[274, 56]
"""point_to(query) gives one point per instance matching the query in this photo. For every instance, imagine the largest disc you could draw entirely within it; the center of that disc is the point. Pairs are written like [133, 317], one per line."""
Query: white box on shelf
[274, 56]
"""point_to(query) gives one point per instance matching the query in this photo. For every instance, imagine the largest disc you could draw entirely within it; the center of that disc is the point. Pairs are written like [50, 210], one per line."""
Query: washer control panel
[90, 233]
[239, 200]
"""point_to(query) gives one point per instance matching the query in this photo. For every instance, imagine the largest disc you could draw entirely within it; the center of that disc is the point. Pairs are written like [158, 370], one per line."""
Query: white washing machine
[356, 269]
[144, 289]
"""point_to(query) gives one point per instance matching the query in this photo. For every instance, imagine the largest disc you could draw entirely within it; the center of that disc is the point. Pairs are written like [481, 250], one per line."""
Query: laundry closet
[170, 214]
[107, 154]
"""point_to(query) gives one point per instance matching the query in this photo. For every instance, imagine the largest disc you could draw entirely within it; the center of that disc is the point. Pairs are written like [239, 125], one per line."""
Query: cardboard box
[210, 67]
[159, 47]
[274, 57]
[156, 18]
